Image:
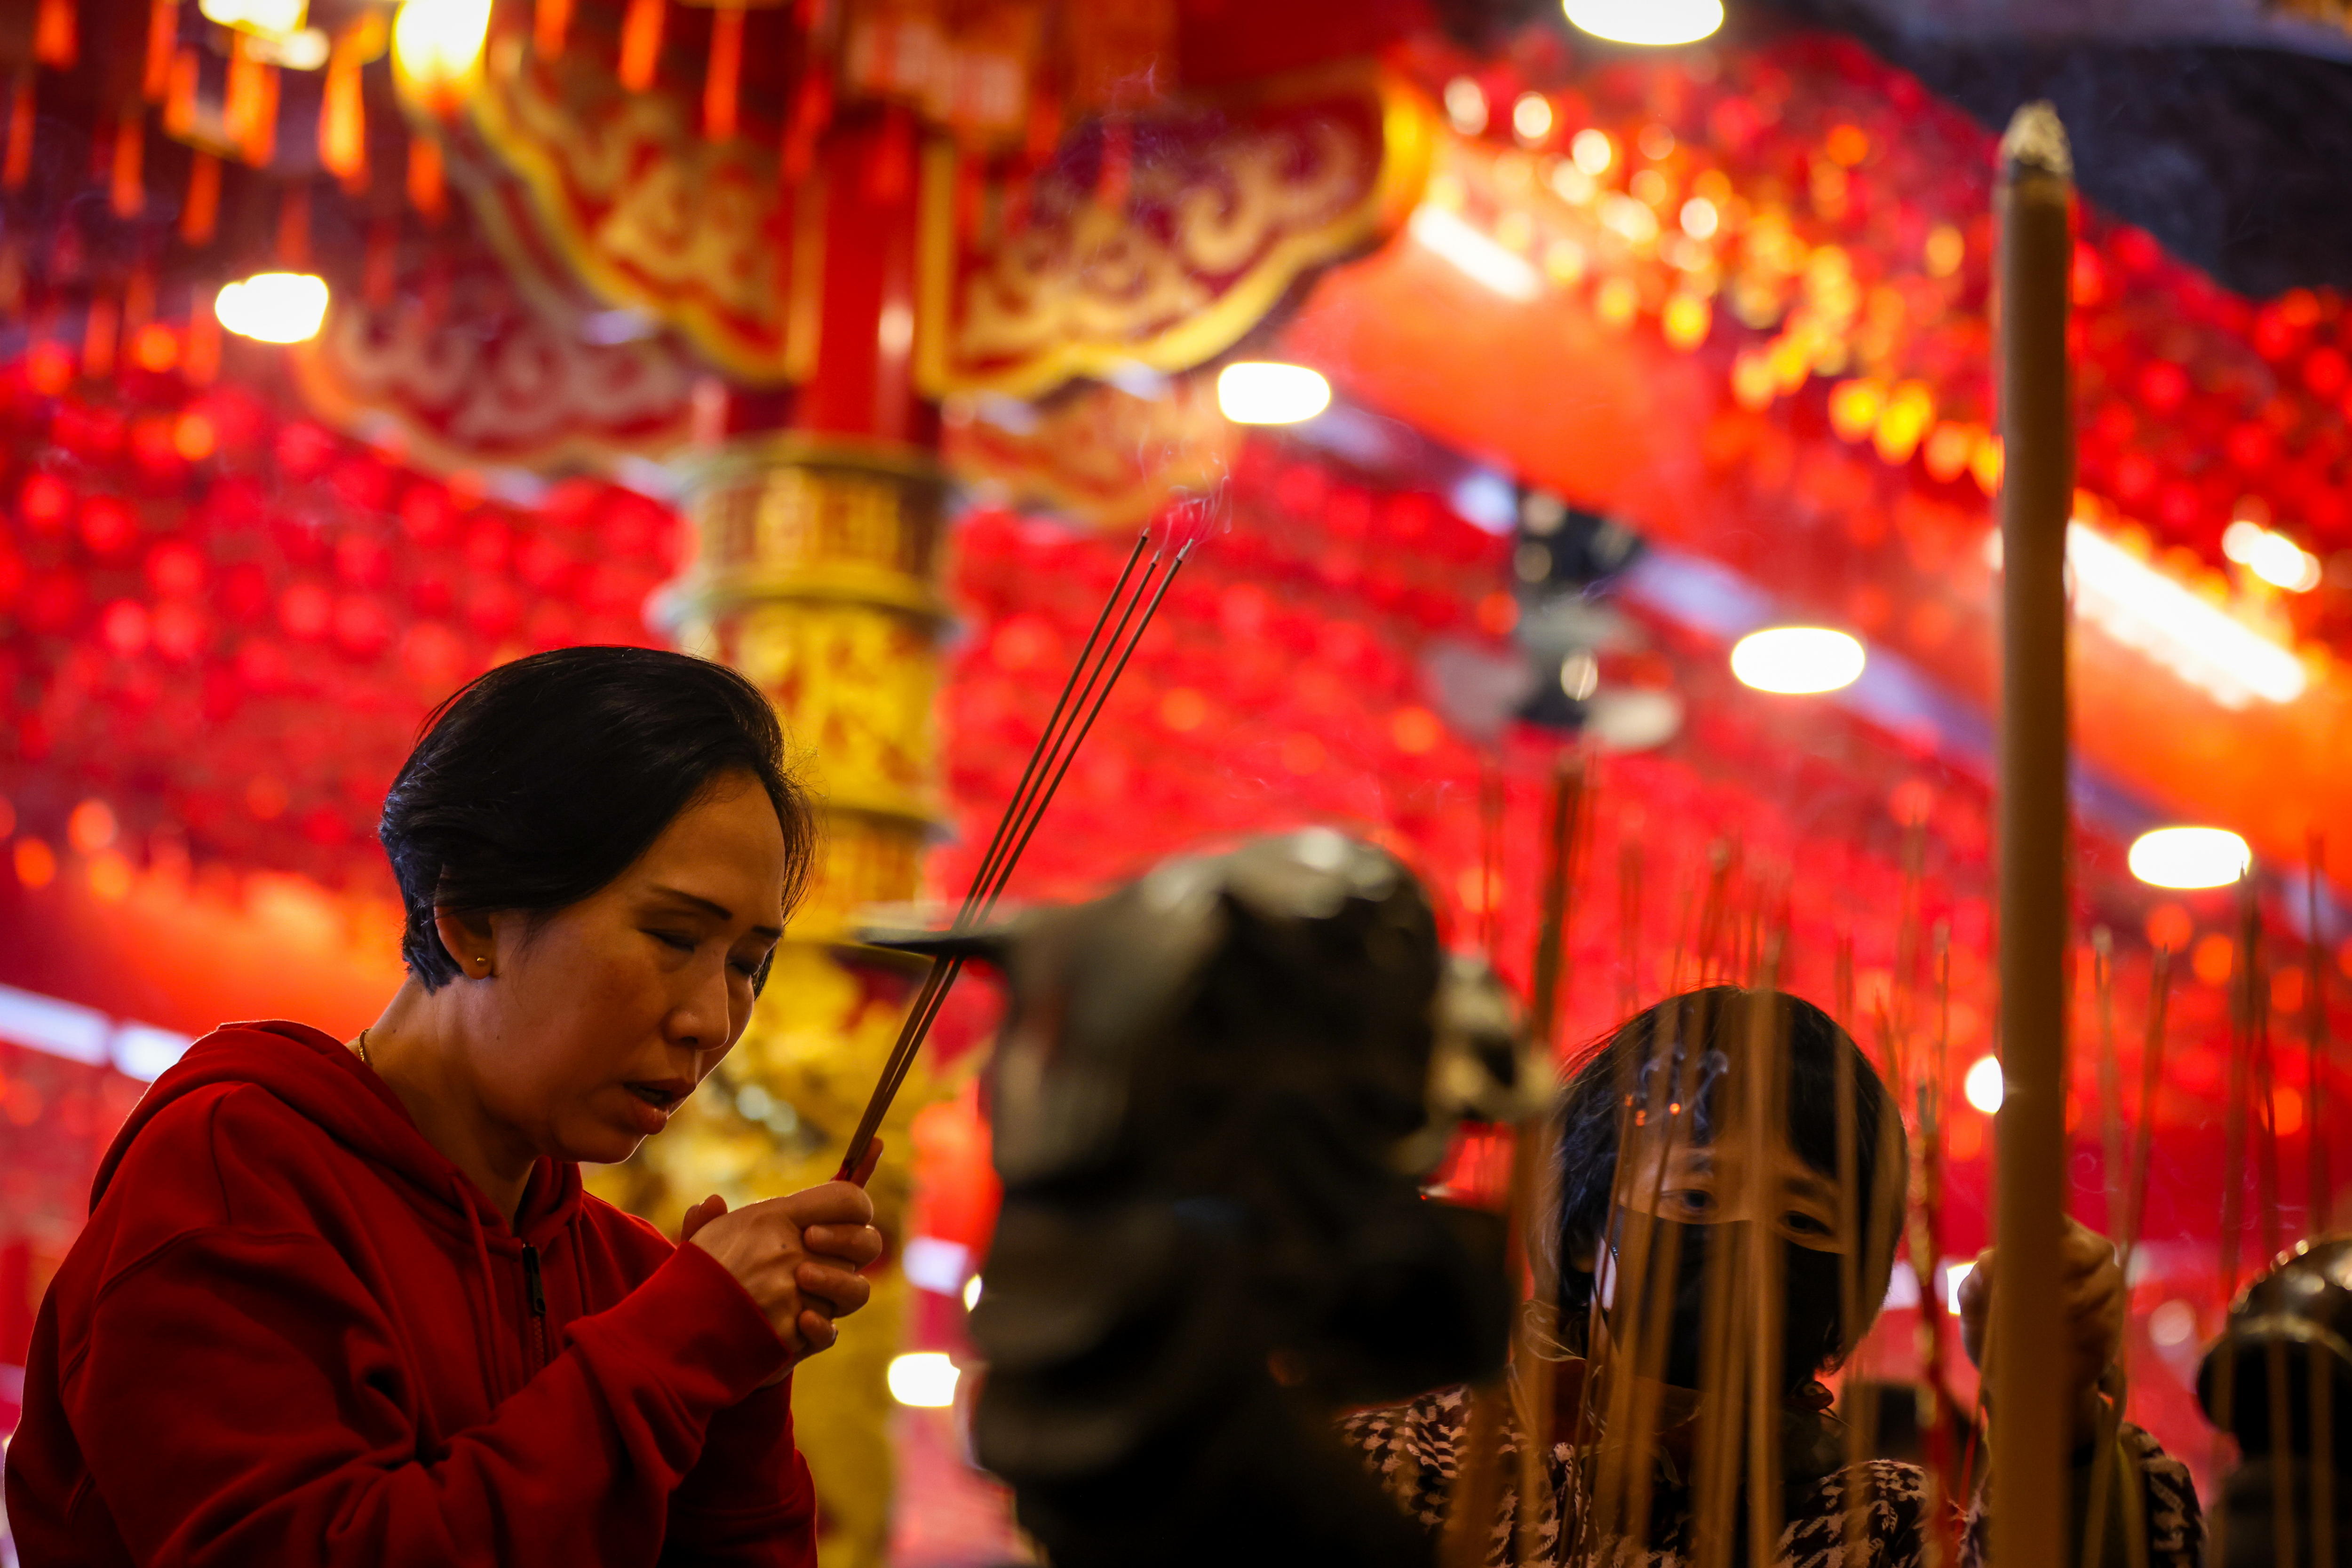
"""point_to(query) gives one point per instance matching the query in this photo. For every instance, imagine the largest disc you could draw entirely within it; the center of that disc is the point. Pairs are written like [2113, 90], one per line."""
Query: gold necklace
[363, 1055]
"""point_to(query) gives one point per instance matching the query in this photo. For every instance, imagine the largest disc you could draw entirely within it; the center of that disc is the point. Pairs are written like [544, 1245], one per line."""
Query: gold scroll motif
[648, 213]
[1227, 207]
[1227, 204]
[1093, 450]
[529, 391]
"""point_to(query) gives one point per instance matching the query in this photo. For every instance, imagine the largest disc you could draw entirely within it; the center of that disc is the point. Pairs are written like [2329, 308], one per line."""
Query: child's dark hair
[540, 782]
[1700, 1036]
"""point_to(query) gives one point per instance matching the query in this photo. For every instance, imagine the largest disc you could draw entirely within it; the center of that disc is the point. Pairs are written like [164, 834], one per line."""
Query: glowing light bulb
[2189, 857]
[270, 18]
[971, 1289]
[925, 1379]
[1651, 22]
[1260, 392]
[1592, 152]
[274, 307]
[436, 48]
[1797, 660]
[1984, 1085]
[1531, 117]
[2273, 557]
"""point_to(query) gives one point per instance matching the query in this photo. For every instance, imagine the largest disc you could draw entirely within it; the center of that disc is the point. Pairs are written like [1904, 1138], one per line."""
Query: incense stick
[1089, 683]
[2314, 1012]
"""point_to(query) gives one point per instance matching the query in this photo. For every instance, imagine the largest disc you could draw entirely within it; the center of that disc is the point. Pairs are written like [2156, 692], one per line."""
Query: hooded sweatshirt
[293, 1332]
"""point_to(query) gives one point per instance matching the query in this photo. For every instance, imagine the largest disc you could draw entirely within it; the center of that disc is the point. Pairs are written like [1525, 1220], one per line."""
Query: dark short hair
[1701, 1036]
[538, 783]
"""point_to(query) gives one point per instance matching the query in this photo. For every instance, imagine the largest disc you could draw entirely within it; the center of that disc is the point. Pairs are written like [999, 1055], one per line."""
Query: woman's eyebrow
[716, 910]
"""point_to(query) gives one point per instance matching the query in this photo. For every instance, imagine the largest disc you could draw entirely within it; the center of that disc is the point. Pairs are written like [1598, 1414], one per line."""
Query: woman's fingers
[856, 1245]
[817, 1333]
[700, 1215]
[838, 1289]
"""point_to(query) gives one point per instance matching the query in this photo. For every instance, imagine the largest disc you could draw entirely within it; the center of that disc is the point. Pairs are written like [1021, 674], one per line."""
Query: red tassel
[98, 336]
[380, 276]
[18, 166]
[428, 191]
[201, 362]
[812, 113]
[294, 228]
[343, 118]
[890, 161]
[726, 74]
[641, 38]
[549, 22]
[250, 107]
[200, 213]
[162, 39]
[130, 148]
[54, 44]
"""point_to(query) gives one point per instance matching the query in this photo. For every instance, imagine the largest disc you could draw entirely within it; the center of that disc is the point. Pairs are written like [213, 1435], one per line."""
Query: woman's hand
[798, 1256]
[2090, 1326]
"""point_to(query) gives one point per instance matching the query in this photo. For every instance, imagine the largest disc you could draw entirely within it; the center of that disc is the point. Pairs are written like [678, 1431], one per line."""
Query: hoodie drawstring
[497, 1334]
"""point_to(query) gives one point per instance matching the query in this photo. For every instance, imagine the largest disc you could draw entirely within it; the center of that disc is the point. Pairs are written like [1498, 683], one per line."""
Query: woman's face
[1730, 1180]
[603, 1017]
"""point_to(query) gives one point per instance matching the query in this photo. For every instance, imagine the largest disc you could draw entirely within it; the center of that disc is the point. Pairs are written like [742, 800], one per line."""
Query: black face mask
[1810, 1332]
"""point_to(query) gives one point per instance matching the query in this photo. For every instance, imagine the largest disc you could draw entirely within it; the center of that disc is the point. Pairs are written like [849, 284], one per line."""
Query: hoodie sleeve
[239, 1396]
[235, 1406]
[750, 1501]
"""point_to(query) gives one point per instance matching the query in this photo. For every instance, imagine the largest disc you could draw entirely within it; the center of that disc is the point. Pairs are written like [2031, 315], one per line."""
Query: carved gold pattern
[1095, 452]
[1233, 206]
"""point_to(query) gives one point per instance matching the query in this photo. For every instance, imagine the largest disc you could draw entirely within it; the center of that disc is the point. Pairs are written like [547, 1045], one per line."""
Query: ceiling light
[1531, 117]
[1655, 22]
[2142, 608]
[271, 18]
[1466, 106]
[1259, 392]
[437, 46]
[925, 1379]
[971, 1289]
[274, 307]
[304, 49]
[1592, 151]
[1474, 255]
[2189, 857]
[1984, 1085]
[2273, 557]
[1797, 660]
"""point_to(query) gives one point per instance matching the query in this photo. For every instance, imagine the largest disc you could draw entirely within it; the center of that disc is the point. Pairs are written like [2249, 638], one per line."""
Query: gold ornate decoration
[1229, 207]
[1094, 451]
[1226, 205]
[642, 210]
[534, 392]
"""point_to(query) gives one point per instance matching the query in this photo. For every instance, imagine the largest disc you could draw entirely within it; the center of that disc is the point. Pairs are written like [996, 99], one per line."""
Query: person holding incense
[345, 1302]
[1697, 1232]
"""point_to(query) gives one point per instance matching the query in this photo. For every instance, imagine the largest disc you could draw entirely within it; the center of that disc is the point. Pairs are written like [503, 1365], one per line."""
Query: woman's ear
[471, 944]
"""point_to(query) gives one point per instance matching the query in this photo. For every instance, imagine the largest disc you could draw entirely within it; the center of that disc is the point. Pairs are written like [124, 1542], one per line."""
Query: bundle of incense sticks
[1135, 598]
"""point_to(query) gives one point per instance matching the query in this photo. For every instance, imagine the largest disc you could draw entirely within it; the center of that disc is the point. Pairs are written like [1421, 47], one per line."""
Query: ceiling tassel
[98, 332]
[342, 115]
[380, 273]
[17, 167]
[428, 187]
[200, 213]
[812, 112]
[162, 40]
[127, 188]
[200, 360]
[54, 44]
[250, 109]
[641, 37]
[294, 228]
[549, 22]
[720, 87]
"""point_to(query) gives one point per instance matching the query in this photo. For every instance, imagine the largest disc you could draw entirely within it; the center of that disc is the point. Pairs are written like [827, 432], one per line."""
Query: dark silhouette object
[1205, 1103]
[2290, 1331]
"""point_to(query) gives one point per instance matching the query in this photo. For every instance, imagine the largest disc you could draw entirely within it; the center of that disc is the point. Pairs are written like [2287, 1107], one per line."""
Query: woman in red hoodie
[345, 1303]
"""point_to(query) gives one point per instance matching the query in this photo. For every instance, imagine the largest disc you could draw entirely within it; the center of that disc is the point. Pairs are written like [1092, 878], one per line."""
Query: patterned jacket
[1412, 1448]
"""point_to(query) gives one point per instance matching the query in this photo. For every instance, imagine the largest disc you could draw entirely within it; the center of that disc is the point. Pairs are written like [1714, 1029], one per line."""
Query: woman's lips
[650, 1104]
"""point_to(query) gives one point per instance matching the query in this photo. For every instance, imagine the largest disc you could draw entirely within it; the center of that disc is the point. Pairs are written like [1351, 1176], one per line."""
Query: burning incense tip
[1190, 516]
[2037, 140]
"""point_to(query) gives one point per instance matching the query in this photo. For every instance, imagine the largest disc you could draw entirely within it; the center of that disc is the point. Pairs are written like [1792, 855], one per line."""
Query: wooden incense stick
[2036, 252]
[1100, 662]
[2314, 1015]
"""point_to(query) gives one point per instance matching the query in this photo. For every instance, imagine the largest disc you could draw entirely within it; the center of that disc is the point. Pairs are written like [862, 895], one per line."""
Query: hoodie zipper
[537, 1291]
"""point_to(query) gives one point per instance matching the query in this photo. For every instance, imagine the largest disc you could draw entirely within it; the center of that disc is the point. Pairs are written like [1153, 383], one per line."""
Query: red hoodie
[294, 1333]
